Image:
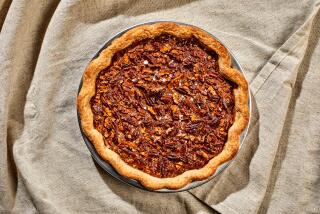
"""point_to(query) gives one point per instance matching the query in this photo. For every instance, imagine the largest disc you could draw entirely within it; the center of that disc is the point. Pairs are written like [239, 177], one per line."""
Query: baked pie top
[163, 105]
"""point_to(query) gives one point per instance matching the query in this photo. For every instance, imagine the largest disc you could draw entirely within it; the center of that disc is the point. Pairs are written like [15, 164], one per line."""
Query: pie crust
[225, 68]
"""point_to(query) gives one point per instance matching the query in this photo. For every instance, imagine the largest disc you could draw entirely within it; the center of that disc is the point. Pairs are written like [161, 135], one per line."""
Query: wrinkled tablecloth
[45, 166]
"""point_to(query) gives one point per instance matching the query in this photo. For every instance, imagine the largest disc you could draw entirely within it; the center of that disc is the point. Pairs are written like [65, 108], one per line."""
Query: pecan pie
[163, 105]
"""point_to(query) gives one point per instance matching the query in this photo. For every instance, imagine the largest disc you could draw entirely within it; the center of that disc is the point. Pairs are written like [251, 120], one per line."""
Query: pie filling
[163, 106]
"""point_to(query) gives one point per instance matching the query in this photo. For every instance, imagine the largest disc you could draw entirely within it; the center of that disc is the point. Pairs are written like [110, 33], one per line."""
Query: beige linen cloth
[45, 166]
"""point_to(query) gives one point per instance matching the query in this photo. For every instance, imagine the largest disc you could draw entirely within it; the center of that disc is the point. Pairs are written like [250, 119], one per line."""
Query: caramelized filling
[163, 106]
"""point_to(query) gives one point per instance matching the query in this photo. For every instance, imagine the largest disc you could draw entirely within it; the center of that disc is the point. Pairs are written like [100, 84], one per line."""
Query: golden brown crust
[149, 31]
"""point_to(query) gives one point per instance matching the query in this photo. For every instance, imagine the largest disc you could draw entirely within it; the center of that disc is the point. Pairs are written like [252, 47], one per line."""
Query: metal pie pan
[108, 168]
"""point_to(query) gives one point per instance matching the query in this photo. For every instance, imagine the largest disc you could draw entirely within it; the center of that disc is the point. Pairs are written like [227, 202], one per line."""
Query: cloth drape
[45, 166]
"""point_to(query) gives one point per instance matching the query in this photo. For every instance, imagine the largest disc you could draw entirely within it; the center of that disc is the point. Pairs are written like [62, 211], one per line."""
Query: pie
[163, 105]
